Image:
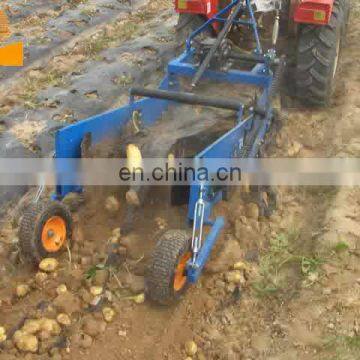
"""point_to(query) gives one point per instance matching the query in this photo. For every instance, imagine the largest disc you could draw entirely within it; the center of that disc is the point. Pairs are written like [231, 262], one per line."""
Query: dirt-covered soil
[287, 287]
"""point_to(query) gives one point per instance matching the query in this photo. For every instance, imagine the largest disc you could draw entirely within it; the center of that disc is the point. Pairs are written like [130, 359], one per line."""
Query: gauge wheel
[45, 230]
[166, 279]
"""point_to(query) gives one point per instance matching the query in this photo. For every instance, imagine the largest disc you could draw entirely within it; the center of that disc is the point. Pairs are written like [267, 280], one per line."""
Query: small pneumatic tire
[45, 229]
[166, 279]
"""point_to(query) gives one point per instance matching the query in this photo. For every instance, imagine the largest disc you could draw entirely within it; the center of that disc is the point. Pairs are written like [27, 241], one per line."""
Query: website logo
[10, 54]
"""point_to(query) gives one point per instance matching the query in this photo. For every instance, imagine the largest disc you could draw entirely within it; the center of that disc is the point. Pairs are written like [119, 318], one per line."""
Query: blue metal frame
[110, 124]
[218, 18]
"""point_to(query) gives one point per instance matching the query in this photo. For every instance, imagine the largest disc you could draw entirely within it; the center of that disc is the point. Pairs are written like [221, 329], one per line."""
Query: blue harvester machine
[178, 258]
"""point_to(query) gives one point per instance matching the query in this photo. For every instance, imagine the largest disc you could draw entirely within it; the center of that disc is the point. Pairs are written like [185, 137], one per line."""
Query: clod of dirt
[135, 283]
[116, 233]
[40, 278]
[191, 348]
[108, 296]
[26, 342]
[61, 289]
[294, 148]
[85, 260]
[48, 265]
[93, 327]
[22, 290]
[73, 201]
[235, 277]
[55, 355]
[230, 254]
[85, 295]
[96, 290]
[2, 334]
[244, 231]
[63, 319]
[161, 223]
[327, 291]
[108, 314]
[67, 303]
[132, 198]
[131, 243]
[252, 211]
[101, 277]
[34, 74]
[82, 340]
[112, 204]
[78, 235]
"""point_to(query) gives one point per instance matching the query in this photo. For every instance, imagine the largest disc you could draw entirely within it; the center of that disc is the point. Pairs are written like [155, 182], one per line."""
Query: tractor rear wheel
[318, 54]
[45, 230]
[166, 279]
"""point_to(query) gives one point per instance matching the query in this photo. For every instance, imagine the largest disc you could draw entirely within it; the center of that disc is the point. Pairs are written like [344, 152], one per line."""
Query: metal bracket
[198, 225]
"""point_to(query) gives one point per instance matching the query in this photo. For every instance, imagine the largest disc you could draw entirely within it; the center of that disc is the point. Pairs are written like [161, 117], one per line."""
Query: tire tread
[160, 272]
[315, 57]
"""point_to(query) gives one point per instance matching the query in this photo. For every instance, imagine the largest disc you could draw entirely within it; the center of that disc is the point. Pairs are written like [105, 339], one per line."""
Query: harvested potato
[108, 314]
[51, 326]
[31, 326]
[3, 336]
[22, 290]
[48, 265]
[61, 289]
[41, 277]
[96, 290]
[191, 348]
[26, 342]
[64, 319]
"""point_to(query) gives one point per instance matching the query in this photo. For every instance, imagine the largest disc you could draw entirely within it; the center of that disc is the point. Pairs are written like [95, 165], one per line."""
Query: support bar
[194, 270]
[187, 98]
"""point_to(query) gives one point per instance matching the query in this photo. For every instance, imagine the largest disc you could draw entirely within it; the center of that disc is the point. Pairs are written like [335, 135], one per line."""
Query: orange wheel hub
[53, 234]
[180, 276]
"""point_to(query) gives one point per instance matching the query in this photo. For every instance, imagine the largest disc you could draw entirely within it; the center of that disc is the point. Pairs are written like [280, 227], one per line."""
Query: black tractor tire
[317, 57]
[31, 227]
[160, 275]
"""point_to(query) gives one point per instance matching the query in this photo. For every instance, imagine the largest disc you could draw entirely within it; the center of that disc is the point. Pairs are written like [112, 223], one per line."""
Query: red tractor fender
[301, 11]
[316, 12]
[207, 8]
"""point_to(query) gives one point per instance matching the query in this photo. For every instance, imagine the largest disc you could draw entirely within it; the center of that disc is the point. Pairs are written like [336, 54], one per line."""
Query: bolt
[50, 233]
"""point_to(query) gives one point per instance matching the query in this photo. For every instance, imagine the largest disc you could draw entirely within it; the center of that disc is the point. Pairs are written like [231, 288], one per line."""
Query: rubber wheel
[45, 230]
[166, 279]
[317, 57]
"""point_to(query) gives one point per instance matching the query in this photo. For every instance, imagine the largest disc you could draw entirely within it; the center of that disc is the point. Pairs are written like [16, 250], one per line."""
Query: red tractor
[317, 28]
